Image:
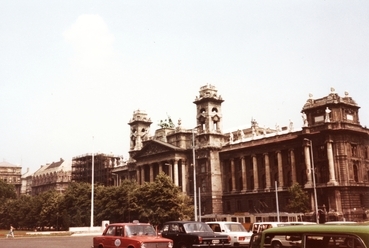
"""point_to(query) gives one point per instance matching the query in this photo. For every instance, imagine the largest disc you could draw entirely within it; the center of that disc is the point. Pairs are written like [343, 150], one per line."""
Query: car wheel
[276, 244]
[100, 246]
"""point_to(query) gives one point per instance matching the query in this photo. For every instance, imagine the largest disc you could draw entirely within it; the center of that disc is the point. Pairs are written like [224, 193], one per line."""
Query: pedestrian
[11, 232]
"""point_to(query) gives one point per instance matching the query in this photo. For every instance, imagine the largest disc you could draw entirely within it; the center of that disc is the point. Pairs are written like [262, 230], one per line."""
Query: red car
[131, 235]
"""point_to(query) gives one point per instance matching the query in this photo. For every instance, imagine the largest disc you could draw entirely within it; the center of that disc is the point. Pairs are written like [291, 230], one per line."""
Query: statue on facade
[277, 128]
[231, 138]
[290, 128]
[304, 119]
[241, 134]
[133, 138]
[327, 112]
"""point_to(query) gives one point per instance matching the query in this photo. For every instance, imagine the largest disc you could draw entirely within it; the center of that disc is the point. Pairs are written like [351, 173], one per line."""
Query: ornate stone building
[241, 170]
[11, 174]
[26, 180]
[54, 176]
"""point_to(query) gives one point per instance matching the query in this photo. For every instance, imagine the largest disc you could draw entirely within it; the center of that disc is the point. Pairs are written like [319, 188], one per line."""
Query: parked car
[239, 235]
[314, 236]
[188, 234]
[261, 226]
[132, 235]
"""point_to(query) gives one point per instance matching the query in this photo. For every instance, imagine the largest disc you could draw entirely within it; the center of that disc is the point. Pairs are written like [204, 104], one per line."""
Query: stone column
[151, 173]
[293, 166]
[160, 167]
[309, 182]
[170, 171]
[176, 182]
[233, 175]
[267, 171]
[142, 174]
[184, 176]
[138, 175]
[332, 174]
[280, 170]
[244, 176]
[255, 170]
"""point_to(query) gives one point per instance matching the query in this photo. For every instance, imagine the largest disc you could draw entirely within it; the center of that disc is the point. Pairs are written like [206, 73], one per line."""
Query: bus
[247, 219]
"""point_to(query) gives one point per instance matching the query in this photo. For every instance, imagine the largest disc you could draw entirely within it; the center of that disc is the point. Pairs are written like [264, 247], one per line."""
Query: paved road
[47, 242]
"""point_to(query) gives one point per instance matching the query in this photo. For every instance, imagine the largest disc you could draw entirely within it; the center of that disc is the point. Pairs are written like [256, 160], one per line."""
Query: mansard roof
[155, 147]
[54, 167]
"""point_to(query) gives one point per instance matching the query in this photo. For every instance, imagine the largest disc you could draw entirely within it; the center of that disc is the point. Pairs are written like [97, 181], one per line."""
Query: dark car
[188, 234]
[131, 235]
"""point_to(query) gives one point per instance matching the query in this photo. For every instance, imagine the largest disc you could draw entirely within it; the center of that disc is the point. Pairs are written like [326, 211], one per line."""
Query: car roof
[271, 222]
[339, 229]
[129, 223]
[225, 222]
[182, 222]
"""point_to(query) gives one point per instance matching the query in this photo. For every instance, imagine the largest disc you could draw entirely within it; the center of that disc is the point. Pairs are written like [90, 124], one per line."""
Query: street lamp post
[92, 186]
[314, 183]
[194, 174]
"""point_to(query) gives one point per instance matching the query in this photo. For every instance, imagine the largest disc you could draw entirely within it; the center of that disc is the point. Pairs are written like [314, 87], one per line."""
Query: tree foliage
[154, 202]
[77, 202]
[298, 199]
[114, 203]
[161, 201]
[7, 191]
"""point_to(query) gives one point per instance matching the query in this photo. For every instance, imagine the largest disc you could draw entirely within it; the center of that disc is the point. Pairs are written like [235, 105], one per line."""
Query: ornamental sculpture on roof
[331, 98]
[208, 91]
[167, 123]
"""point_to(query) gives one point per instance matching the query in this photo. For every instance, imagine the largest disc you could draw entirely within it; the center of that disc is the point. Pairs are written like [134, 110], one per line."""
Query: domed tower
[140, 127]
[210, 139]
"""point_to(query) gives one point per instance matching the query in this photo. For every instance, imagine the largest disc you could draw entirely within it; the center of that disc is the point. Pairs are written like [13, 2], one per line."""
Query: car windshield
[235, 227]
[197, 227]
[139, 230]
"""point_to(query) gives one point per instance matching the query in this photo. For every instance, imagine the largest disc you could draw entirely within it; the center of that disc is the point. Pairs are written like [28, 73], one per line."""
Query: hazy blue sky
[73, 72]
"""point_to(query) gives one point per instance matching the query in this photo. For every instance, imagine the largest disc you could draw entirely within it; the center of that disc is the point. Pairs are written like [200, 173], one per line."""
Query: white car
[239, 235]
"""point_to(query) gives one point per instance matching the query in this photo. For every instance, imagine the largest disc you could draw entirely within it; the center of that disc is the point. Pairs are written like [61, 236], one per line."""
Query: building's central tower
[210, 139]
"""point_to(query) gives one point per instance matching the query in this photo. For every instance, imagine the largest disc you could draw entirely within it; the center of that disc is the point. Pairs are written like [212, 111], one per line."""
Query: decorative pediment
[155, 147]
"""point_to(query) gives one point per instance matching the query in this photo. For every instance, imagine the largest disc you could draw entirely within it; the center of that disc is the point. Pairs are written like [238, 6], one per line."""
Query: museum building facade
[242, 170]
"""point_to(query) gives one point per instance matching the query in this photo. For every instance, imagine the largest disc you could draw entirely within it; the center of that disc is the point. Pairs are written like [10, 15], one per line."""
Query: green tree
[7, 191]
[113, 203]
[77, 202]
[49, 215]
[298, 199]
[161, 201]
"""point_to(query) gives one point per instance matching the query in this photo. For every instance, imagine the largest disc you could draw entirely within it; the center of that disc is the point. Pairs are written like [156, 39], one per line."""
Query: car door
[171, 231]
[110, 237]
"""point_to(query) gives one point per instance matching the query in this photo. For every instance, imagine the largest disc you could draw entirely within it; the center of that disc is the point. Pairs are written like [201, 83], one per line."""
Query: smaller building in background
[26, 180]
[11, 174]
[103, 165]
[54, 176]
